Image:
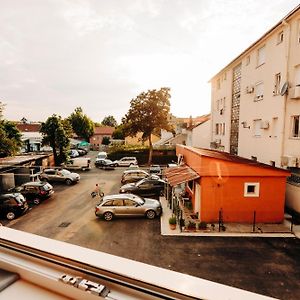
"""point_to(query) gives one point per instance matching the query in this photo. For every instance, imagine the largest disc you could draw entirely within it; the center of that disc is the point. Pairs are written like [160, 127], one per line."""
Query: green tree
[148, 113]
[56, 133]
[10, 136]
[82, 125]
[119, 133]
[105, 140]
[109, 121]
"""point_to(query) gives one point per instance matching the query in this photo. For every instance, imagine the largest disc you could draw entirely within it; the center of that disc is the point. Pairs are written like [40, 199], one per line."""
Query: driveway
[269, 266]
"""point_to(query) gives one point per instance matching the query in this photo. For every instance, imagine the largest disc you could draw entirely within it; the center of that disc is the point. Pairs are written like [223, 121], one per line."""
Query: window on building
[275, 127]
[295, 126]
[251, 189]
[259, 91]
[247, 60]
[280, 37]
[297, 75]
[218, 84]
[224, 76]
[223, 129]
[277, 84]
[298, 35]
[261, 56]
[257, 127]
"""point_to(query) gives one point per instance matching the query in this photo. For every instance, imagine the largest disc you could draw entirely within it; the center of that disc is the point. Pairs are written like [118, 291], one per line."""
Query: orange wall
[222, 186]
[229, 195]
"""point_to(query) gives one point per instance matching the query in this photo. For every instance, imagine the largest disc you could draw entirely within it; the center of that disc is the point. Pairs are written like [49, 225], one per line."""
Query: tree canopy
[148, 113]
[10, 136]
[119, 133]
[110, 121]
[56, 133]
[82, 125]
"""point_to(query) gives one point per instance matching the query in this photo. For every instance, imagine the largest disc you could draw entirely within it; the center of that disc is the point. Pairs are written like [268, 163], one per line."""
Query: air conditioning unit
[249, 89]
[218, 141]
[289, 161]
[294, 92]
[264, 125]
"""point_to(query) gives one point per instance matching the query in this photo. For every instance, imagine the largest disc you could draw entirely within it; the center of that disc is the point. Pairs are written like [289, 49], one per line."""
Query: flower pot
[172, 226]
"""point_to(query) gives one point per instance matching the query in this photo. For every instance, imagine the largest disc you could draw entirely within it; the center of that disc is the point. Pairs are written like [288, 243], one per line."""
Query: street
[269, 266]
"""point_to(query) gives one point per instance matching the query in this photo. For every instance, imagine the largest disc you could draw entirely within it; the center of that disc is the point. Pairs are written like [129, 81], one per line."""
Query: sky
[57, 55]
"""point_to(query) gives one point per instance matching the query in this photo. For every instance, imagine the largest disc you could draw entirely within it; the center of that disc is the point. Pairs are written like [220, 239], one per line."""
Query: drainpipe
[287, 55]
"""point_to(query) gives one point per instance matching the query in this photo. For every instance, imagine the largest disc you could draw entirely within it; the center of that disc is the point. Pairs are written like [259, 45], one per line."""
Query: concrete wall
[7, 181]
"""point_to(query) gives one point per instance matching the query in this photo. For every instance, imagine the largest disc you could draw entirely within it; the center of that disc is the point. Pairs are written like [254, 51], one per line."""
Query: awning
[180, 174]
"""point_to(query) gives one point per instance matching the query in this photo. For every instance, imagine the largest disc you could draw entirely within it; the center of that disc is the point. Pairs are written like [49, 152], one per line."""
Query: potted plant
[202, 225]
[172, 222]
[191, 226]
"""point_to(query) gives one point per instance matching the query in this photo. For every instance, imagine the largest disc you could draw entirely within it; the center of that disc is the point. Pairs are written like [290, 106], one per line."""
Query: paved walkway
[232, 229]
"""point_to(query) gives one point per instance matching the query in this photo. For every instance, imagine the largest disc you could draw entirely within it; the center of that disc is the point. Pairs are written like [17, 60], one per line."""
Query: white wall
[201, 135]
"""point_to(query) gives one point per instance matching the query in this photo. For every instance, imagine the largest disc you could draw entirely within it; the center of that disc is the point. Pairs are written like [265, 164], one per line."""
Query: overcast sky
[57, 55]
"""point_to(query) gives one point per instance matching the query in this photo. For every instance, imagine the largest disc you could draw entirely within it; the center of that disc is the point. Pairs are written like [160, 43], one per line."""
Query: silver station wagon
[127, 205]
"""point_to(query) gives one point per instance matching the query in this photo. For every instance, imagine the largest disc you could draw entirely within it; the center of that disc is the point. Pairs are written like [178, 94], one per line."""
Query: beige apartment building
[256, 99]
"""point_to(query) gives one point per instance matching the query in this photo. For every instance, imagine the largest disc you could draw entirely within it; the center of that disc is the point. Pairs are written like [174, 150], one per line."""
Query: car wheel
[108, 216]
[150, 214]
[36, 201]
[68, 181]
[10, 215]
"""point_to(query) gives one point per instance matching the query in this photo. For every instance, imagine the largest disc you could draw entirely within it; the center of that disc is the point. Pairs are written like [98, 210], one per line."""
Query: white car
[126, 161]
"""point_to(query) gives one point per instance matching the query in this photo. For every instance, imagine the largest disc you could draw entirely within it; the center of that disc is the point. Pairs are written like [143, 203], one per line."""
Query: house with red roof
[235, 188]
[99, 133]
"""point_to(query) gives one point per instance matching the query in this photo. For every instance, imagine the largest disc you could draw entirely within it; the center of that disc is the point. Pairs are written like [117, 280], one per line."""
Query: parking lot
[269, 266]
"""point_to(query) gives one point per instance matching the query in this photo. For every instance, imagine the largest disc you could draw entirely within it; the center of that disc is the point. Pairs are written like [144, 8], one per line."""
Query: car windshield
[140, 182]
[138, 199]
[65, 172]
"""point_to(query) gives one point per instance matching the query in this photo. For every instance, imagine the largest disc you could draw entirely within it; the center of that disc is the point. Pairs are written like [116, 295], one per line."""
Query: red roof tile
[103, 130]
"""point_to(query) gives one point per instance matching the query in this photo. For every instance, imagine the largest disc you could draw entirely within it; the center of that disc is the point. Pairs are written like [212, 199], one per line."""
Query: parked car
[155, 169]
[59, 175]
[81, 151]
[73, 153]
[147, 187]
[12, 205]
[133, 176]
[126, 161]
[102, 155]
[105, 164]
[127, 205]
[78, 163]
[36, 191]
[133, 167]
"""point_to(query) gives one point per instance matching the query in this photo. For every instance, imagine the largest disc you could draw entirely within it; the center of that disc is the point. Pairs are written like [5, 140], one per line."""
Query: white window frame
[259, 91]
[261, 55]
[256, 189]
[293, 125]
[280, 37]
[277, 84]
[257, 127]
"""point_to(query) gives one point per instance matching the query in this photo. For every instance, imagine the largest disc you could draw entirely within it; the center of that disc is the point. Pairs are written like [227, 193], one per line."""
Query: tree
[82, 125]
[10, 136]
[148, 113]
[105, 140]
[109, 121]
[56, 133]
[119, 133]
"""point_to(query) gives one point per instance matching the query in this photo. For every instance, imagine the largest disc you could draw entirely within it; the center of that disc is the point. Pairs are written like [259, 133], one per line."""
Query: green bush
[172, 220]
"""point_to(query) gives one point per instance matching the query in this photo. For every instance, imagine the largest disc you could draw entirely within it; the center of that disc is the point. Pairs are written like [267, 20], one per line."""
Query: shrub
[172, 220]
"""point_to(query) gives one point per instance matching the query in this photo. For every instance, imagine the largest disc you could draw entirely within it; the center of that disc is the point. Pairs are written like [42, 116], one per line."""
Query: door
[198, 199]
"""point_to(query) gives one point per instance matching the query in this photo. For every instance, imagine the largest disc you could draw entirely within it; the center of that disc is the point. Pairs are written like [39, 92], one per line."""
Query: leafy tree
[82, 125]
[10, 136]
[105, 140]
[109, 121]
[148, 113]
[119, 133]
[56, 133]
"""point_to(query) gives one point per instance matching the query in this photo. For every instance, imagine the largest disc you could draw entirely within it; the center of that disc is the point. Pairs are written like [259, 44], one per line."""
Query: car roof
[134, 171]
[118, 196]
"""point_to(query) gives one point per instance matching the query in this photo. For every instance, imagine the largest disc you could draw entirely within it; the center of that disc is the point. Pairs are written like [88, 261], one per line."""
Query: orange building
[240, 188]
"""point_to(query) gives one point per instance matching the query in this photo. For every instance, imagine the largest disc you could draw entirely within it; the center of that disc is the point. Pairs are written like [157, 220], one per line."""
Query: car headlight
[122, 191]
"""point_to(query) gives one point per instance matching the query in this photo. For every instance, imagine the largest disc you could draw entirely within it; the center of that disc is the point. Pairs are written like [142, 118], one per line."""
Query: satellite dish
[284, 88]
